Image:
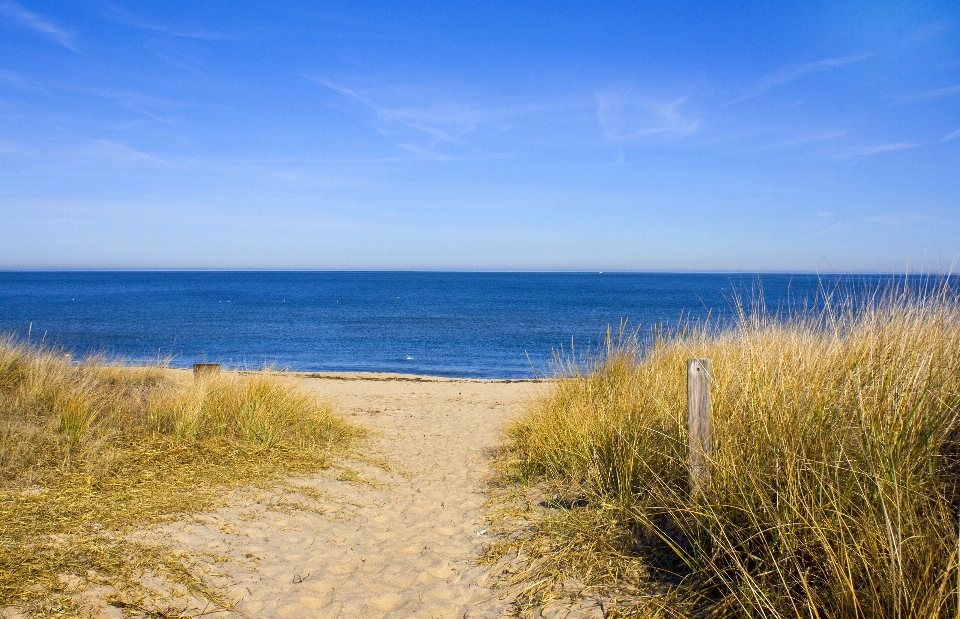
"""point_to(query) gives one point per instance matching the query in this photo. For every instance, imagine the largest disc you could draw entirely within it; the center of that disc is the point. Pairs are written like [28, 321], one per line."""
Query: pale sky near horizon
[480, 135]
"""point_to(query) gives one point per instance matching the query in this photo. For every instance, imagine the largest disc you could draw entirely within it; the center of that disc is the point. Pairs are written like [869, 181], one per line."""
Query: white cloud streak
[790, 72]
[797, 142]
[877, 149]
[899, 219]
[628, 119]
[125, 18]
[813, 139]
[930, 94]
[951, 135]
[35, 22]
[425, 128]
[931, 31]
[840, 225]
[150, 106]
[15, 80]
[95, 153]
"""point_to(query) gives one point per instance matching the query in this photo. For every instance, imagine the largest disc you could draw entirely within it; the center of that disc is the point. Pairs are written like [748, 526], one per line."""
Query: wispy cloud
[629, 118]
[930, 94]
[877, 149]
[15, 80]
[86, 153]
[430, 128]
[796, 142]
[951, 135]
[930, 31]
[790, 72]
[175, 58]
[899, 219]
[837, 227]
[446, 122]
[35, 22]
[120, 153]
[156, 108]
[810, 139]
[432, 154]
[128, 19]
[16, 149]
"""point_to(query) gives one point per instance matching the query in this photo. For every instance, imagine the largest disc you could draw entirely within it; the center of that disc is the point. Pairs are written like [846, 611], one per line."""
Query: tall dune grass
[90, 450]
[836, 468]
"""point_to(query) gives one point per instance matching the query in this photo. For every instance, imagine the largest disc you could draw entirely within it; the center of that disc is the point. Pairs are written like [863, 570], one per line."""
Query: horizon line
[948, 273]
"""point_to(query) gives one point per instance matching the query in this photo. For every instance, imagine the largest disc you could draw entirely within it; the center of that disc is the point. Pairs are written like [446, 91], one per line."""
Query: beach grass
[835, 471]
[91, 451]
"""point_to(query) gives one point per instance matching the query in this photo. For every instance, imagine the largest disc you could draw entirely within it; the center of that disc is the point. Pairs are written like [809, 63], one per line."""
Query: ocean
[463, 324]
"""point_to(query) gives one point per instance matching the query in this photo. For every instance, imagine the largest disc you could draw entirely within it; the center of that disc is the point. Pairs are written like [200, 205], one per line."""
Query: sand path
[369, 540]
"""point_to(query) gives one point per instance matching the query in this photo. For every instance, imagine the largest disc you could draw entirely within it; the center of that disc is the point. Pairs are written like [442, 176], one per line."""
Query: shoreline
[373, 376]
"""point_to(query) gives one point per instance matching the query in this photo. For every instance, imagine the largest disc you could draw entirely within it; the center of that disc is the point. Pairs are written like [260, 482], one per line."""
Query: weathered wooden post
[699, 423]
[202, 370]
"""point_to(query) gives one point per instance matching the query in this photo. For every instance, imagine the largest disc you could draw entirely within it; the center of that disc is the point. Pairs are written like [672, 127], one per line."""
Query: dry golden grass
[835, 473]
[90, 451]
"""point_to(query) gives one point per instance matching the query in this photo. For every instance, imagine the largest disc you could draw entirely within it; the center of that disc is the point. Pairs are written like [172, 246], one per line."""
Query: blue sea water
[435, 323]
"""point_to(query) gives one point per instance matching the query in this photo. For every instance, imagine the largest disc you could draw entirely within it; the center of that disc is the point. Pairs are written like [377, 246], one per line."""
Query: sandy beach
[392, 533]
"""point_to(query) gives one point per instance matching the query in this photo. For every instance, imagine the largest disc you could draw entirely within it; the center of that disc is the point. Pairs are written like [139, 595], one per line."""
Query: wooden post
[202, 370]
[699, 423]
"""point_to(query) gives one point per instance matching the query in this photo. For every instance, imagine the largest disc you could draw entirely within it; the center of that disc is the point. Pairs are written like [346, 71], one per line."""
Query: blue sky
[470, 135]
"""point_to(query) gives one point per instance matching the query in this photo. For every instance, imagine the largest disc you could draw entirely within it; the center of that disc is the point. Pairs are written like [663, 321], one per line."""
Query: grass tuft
[836, 469]
[91, 451]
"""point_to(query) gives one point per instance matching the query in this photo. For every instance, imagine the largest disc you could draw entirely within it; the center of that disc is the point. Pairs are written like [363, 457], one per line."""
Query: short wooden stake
[202, 370]
[699, 423]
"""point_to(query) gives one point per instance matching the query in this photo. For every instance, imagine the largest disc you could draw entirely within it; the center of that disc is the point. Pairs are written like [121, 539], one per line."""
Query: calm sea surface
[447, 324]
